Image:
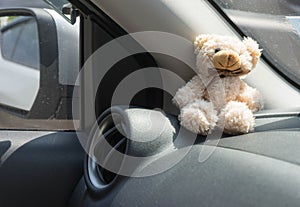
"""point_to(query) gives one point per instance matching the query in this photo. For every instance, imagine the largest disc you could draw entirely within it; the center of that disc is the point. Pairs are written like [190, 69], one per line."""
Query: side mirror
[39, 63]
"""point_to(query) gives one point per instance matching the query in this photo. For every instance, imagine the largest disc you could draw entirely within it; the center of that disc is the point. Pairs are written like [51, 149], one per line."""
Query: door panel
[39, 168]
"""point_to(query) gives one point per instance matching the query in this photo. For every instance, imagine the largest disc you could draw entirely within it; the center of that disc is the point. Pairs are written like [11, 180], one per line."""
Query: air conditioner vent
[117, 142]
[106, 153]
[124, 142]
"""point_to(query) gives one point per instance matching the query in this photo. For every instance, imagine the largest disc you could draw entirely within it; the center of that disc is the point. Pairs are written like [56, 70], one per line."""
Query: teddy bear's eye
[217, 50]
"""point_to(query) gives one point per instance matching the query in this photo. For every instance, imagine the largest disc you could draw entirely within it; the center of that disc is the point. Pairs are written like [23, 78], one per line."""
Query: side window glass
[19, 59]
[32, 97]
[20, 42]
[27, 48]
[8, 41]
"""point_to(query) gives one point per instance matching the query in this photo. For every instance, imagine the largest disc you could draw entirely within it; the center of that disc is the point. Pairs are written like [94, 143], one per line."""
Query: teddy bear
[217, 96]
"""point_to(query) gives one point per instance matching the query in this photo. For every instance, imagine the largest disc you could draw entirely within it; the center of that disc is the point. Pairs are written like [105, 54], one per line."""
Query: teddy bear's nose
[227, 60]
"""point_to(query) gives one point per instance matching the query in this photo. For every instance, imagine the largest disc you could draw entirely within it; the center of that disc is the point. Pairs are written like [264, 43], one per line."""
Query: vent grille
[117, 142]
[104, 161]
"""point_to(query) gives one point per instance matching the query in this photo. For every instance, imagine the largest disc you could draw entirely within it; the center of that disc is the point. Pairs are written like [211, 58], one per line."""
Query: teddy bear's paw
[236, 118]
[199, 117]
[195, 121]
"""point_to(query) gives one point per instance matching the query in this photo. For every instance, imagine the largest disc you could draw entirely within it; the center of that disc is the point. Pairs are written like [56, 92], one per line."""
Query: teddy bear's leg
[199, 117]
[237, 118]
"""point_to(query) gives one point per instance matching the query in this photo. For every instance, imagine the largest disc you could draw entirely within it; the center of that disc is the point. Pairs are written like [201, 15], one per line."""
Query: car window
[8, 41]
[27, 49]
[32, 97]
[20, 42]
[19, 59]
[275, 24]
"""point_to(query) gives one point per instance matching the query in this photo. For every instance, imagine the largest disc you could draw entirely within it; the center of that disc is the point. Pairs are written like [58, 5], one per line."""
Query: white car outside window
[19, 59]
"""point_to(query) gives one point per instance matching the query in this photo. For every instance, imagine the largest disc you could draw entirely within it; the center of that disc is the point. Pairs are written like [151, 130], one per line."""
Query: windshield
[275, 24]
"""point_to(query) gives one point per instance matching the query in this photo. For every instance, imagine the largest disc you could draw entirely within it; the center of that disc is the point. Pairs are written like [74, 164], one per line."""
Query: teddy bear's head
[228, 55]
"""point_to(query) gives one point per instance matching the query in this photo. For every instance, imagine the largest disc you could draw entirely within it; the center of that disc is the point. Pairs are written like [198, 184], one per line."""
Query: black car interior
[48, 168]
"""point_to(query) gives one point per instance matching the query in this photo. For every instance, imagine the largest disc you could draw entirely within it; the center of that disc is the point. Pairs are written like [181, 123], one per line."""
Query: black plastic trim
[89, 9]
[93, 19]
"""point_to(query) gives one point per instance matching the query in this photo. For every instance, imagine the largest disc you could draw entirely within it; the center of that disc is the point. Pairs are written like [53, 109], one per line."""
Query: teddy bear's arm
[250, 96]
[193, 90]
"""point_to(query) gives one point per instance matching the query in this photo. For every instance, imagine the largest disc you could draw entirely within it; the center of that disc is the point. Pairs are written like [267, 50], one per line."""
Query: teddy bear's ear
[200, 40]
[253, 48]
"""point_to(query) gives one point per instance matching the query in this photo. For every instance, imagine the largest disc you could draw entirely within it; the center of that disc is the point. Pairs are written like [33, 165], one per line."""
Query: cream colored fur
[207, 101]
